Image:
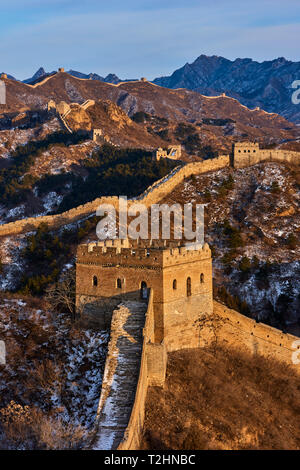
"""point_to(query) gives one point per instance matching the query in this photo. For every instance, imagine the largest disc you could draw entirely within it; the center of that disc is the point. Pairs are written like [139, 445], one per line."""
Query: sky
[136, 38]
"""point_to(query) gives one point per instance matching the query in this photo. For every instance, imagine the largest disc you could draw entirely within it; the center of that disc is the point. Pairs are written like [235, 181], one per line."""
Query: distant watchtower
[173, 153]
[51, 105]
[181, 279]
[97, 135]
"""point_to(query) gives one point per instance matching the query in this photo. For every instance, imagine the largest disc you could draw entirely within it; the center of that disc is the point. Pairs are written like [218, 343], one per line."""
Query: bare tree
[61, 295]
[25, 427]
[209, 324]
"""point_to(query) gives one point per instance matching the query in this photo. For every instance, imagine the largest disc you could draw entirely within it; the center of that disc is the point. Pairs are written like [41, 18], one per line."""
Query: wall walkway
[121, 374]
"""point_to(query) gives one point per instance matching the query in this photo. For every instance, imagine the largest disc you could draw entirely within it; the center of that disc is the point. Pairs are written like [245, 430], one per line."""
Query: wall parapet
[248, 153]
[259, 338]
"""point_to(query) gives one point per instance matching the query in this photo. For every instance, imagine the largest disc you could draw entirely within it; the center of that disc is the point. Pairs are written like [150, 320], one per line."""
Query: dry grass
[223, 400]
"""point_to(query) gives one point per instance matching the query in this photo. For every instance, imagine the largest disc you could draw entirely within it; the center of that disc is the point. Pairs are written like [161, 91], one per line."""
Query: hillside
[54, 367]
[223, 399]
[265, 84]
[114, 123]
[252, 214]
[219, 118]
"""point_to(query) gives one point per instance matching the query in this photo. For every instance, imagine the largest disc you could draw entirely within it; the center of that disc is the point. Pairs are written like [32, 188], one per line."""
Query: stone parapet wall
[134, 255]
[230, 327]
[248, 154]
[240, 332]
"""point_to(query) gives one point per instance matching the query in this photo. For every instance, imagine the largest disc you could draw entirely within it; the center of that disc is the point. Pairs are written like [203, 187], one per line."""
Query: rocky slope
[266, 84]
[54, 368]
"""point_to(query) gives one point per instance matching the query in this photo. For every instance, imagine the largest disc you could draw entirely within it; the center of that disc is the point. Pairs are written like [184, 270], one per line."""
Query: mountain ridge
[182, 113]
[266, 84]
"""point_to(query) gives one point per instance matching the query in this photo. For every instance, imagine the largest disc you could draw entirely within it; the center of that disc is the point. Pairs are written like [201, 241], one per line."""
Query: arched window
[174, 284]
[202, 278]
[144, 290]
[119, 283]
[188, 287]
[95, 281]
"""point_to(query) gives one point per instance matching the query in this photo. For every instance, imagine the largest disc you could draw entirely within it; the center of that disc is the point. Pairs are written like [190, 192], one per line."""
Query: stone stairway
[121, 374]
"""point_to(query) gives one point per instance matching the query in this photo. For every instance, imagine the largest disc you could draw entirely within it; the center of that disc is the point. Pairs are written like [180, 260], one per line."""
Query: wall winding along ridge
[152, 195]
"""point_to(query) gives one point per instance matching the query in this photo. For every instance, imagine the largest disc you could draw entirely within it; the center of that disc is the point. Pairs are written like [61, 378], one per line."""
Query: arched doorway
[188, 287]
[95, 281]
[144, 290]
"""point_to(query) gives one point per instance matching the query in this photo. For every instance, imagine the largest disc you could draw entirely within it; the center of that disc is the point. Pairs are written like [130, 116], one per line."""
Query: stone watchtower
[181, 279]
[245, 154]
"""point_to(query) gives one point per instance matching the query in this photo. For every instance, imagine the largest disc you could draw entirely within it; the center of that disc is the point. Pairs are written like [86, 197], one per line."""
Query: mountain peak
[38, 74]
[264, 84]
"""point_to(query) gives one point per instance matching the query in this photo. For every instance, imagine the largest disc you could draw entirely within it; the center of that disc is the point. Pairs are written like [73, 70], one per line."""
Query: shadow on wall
[97, 310]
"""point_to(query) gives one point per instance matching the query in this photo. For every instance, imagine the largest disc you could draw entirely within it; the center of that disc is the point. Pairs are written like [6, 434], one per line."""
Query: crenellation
[245, 154]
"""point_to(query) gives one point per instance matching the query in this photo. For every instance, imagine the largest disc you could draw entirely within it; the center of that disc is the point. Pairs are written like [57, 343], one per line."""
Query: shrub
[233, 235]
[140, 117]
[275, 188]
[245, 264]
[207, 195]
[233, 302]
[29, 428]
[292, 241]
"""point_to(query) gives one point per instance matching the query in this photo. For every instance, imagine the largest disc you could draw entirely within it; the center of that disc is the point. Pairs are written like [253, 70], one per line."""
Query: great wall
[245, 154]
[226, 327]
[114, 279]
[119, 422]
